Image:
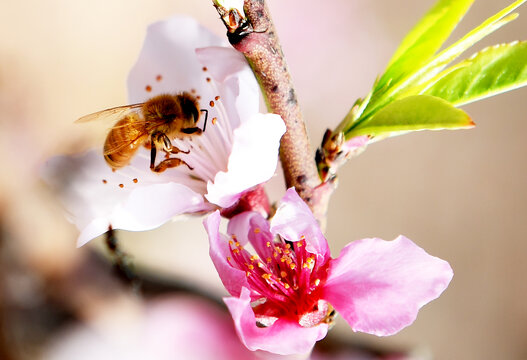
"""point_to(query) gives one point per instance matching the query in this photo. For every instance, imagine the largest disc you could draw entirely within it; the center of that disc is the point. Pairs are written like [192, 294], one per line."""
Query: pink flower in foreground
[284, 291]
[237, 152]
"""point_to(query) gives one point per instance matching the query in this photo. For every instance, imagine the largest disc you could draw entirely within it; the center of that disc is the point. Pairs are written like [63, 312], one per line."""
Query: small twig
[122, 262]
[253, 34]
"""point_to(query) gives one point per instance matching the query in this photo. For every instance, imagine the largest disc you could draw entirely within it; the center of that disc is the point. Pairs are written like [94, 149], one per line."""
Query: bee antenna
[206, 117]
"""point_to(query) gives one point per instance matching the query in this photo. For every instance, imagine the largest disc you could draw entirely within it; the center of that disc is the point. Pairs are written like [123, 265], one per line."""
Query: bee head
[195, 114]
[189, 107]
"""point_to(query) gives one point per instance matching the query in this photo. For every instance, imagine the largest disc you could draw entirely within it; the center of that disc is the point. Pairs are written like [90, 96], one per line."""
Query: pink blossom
[283, 292]
[237, 152]
[169, 328]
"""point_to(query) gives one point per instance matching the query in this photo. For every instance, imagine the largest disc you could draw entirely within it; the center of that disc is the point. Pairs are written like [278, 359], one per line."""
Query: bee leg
[192, 130]
[153, 151]
[169, 163]
[161, 141]
[158, 140]
[176, 150]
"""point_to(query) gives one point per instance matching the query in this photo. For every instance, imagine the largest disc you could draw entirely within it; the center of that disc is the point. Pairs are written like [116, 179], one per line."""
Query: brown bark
[254, 35]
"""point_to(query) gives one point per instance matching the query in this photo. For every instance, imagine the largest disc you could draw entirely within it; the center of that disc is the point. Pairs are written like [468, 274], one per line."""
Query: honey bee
[152, 123]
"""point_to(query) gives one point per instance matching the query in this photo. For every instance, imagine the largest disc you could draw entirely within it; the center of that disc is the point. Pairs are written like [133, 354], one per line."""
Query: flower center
[286, 276]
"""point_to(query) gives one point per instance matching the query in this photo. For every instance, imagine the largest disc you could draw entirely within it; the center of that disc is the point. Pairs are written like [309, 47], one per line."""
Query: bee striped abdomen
[123, 140]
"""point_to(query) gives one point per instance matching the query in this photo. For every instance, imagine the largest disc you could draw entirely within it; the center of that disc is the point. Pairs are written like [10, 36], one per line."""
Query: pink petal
[191, 328]
[252, 161]
[232, 278]
[240, 225]
[251, 227]
[294, 219]
[284, 337]
[167, 328]
[379, 286]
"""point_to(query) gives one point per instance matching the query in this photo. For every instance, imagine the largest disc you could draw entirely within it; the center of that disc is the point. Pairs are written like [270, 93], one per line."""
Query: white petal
[92, 194]
[150, 206]
[238, 87]
[97, 197]
[169, 51]
[252, 161]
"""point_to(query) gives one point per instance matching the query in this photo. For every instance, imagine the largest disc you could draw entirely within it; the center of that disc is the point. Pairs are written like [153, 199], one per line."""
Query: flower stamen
[285, 280]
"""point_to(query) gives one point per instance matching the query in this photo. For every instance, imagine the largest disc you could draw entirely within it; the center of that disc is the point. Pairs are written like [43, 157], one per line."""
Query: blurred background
[461, 195]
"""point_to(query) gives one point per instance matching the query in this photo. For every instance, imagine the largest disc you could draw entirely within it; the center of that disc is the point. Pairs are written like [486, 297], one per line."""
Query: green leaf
[416, 76]
[491, 71]
[413, 82]
[424, 39]
[419, 112]
[452, 52]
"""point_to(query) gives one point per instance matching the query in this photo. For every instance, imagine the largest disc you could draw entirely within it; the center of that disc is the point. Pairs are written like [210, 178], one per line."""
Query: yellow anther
[288, 246]
[299, 244]
[231, 242]
[236, 251]
[317, 282]
[292, 266]
[229, 258]
[302, 237]
[268, 244]
[260, 265]
[238, 244]
[256, 230]
[266, 276]
[254, 257]
[269, 260]
[248, 273]
[286, 285]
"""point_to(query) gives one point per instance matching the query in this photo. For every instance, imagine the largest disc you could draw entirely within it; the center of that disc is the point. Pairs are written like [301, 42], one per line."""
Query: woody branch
[251, 31]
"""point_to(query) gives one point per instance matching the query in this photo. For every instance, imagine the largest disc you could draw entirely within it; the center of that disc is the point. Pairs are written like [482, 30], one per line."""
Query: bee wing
[112, 114]
[134, 130]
